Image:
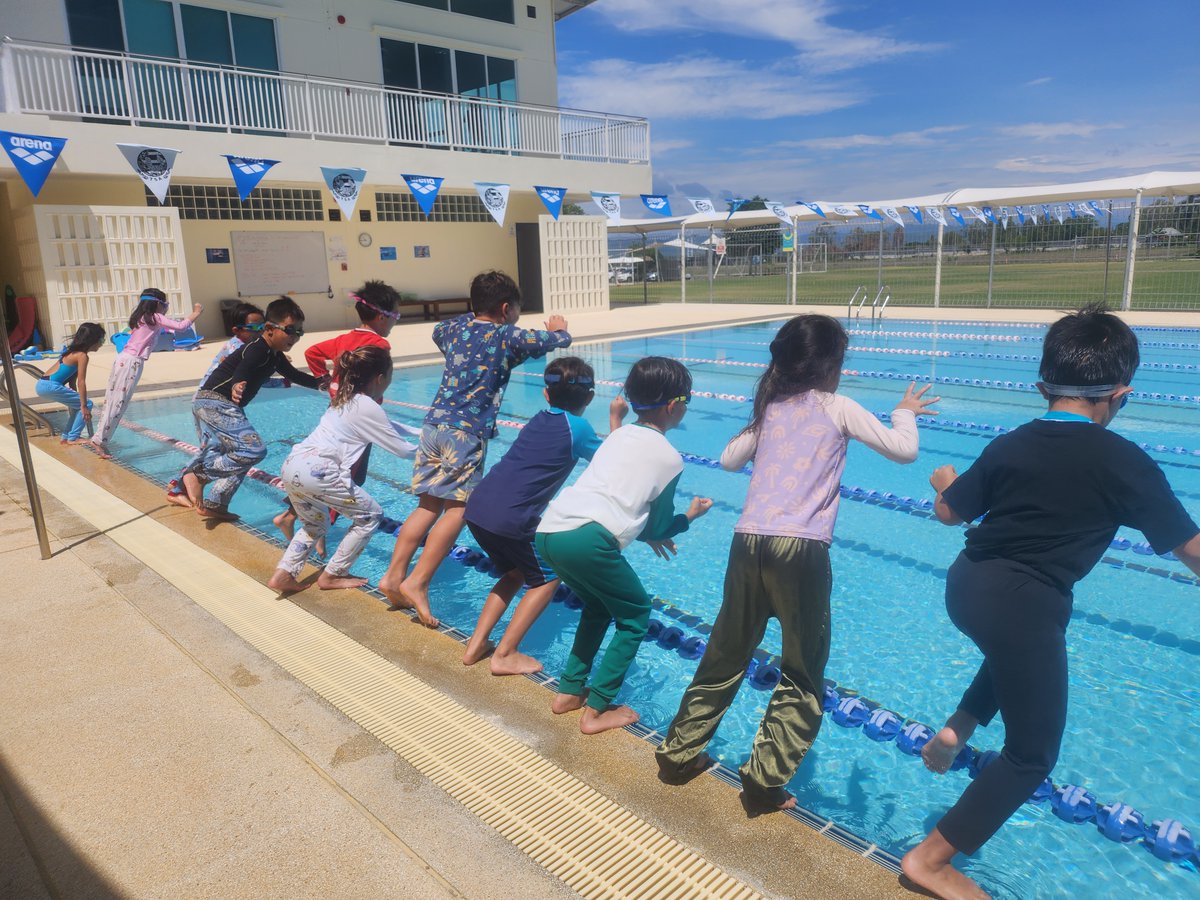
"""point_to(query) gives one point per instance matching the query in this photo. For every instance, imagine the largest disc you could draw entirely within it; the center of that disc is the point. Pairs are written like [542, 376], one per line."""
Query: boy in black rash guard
[229, 444]
[1054, 492]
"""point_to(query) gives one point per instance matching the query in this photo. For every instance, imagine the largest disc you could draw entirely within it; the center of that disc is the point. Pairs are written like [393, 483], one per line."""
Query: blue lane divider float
[1153, 396]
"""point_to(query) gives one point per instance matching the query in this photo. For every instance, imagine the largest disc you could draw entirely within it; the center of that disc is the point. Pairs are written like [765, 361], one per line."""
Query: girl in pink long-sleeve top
[144, 326]
[779, 561]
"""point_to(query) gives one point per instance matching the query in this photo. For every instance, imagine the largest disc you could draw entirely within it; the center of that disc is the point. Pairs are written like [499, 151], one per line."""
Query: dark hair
[491, 290]
[244, 311]
[1089, 347]
[570, 382]
[354, 370]
[806, 354]
[373, 298]
[655, 381]
[149, 305]
[284, 308]
[84, 337]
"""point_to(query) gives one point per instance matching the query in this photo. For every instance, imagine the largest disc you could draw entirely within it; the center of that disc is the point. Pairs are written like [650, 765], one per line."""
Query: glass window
[435, 4]
[496, 10]
[502, 78]
[206, 34]
[399, 64]
[95, 24]
[472, 73]
[254, 42]
[435, 69]
[150, 28]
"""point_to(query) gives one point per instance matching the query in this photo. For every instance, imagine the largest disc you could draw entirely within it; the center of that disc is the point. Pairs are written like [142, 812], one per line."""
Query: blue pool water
[1134, 642]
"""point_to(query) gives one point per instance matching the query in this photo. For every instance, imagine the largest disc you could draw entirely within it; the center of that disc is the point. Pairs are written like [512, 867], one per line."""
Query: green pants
[790, 579]
[589, 561]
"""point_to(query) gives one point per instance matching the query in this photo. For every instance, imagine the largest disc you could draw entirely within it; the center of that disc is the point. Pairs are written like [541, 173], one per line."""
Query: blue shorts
[448, 463]
[513, 553]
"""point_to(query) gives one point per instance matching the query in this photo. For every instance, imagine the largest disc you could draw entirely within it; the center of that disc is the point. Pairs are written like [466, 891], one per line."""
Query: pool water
[1134, 641]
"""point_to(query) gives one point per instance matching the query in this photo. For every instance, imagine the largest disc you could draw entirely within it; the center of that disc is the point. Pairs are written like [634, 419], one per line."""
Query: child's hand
[942, 478]
[556, 323]
[698, 507]
[618, 408]
[665, 548]
[236, 392]
[914, 400]
[197, 309]
[87, 414]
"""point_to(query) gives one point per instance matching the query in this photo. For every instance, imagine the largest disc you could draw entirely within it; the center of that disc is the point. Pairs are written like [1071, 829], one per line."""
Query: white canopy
[686, 245]
[625, 260]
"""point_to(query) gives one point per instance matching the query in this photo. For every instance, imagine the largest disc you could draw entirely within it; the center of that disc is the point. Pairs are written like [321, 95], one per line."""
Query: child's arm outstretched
[534, 343]
[739, 451]
[1189, 554]
[165, 324]
[898, 443]
[319, 357]
[376, 428]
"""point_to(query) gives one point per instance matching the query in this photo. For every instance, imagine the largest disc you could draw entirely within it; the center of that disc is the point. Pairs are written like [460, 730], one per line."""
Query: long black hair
[86, 335]
[806, 355]
[151, 302]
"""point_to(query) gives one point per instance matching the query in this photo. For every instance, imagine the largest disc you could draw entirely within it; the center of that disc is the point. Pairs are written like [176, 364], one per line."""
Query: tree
[572, 209]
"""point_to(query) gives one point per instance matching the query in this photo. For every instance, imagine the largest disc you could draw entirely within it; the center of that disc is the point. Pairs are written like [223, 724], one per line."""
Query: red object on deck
[20, 333]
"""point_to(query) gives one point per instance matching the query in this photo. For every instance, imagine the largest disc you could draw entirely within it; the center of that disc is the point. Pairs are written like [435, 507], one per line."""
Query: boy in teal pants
[626, 493]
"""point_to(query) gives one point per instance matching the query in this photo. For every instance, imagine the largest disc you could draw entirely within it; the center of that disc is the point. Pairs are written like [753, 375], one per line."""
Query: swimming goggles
[1083, 390]
[556, 377]
[289, 330]
[152, 298]
[257, 326]
[370, 305]
[641, 407]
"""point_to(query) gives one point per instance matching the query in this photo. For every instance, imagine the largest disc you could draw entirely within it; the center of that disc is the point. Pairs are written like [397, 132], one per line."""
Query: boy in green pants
[626, 493]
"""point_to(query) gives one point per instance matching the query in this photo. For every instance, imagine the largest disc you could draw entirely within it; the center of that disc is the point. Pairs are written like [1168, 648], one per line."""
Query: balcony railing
[97, 86]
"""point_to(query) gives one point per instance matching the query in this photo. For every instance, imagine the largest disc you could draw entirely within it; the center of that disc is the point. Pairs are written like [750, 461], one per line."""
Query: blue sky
[868, 101]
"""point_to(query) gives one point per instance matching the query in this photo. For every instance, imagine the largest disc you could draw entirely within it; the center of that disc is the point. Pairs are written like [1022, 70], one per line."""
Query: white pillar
[937, 269]
[795, 256]
[682, 263]
[991, 266]
[1135, 219]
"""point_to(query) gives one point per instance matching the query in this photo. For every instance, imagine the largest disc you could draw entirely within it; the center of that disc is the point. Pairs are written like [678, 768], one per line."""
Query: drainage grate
[594, 845]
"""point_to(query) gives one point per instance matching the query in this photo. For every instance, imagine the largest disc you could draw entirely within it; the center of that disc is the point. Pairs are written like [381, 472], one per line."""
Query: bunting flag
[846, 212]
[1071, 210]
[815, 207]
[1020, 214]
[1046, 212]
[494, 197]
[734, 205]
[552, 197]
[1099, 210]
[424, 190]
[153, 165]
[989, 215]
[937, 215]
[1059, 214]
[892, 213]
[702, 205]
[957, 215]
[657, 203]
[345, 185]
[610, 205]
[33, 155]
[977, 213]
[869, 211]
[780, 212]
[1033, 213]
[1087, 210]
[915, 212]
[247, 172]
[1005, 215]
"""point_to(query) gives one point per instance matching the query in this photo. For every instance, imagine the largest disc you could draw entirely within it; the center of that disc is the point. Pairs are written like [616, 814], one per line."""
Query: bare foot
[319, 546]
[939, 878]
[592, 722]
[179, 500]
[697, 767]
[514, 664]
[565, 703]
[758, 801]
[476, 651]
[286, 523]
[284, 582]
[217, 513]
[328, 582]
[192, 487]
[940, 752]
[98, 450]
[418, 596]
[390, 588]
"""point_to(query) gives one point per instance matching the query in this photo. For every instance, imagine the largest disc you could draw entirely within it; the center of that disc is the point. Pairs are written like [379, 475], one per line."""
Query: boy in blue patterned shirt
[481, 349]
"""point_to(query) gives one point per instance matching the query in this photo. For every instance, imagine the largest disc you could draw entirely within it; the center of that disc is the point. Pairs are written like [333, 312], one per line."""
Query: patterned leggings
[126, 372]
[229, 448]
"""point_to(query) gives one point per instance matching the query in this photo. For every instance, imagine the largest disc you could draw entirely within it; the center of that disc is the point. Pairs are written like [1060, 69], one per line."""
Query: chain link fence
[1047, 264]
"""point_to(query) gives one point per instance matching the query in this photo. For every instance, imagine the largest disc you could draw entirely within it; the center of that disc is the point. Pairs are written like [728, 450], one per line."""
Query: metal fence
[1049, 264]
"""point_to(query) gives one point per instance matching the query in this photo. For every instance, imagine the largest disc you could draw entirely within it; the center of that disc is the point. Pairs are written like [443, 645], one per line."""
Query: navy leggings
[1019, 623]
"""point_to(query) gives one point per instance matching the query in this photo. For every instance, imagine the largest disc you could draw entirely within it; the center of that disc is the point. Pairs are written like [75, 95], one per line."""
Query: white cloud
[1104, 164]
[666, 146]
[801, 23]
[1045, 79]
[701, 88]
[924, 137]
[1048, 131]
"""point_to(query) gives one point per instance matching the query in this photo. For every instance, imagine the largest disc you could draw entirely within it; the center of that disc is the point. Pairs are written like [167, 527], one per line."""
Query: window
[496, 10]
[444, 71]
[212, 201]
[401, 207]
[95, 24]
[150, 28]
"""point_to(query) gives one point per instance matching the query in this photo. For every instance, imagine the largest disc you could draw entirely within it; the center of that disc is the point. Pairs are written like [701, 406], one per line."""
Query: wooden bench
[432, 309]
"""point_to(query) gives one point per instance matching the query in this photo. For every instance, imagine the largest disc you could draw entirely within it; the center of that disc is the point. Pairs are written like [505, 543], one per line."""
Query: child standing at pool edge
[481, 349]
[626, 493]
[66, 381]
[779, 560]
[1054, 492]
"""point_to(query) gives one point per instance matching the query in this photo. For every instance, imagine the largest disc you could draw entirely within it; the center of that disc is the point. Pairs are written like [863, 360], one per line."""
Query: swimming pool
[1134, 640]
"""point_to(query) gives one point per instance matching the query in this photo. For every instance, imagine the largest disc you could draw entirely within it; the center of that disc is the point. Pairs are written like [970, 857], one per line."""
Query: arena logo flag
[815, 207]
[494, 197]
[703, 205]
[345, 185]
[33, 155]
[1071, 210]
[247, 172]
[915, 212]
[780, 212]
[734, 206]
[424, 189]
[989, 215]
[868, 210]
[1099, 210]
[610, 205]
[937, 215]
[1020, 214]
[552, 197]
[894, 214]
[1046, 212]
[657, 203]
[153, 165]
[957, 215]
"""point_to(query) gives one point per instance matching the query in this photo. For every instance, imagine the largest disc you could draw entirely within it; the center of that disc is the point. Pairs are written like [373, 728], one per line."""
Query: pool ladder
[878, 305]
[32, 417]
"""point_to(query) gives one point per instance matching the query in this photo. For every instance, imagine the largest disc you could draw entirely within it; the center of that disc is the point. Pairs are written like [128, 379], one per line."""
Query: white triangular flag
[495, 198]
[154, 166]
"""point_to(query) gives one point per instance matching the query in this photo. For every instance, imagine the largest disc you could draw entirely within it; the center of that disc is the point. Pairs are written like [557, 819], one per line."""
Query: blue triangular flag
[815, 207]
[657, 203]
[989, 215]
[424, 190]
[1100, 211]
[1071, 208]
[1020, 214]
[552, 197]
[957, 215]
[868, 210]
[1046, 212]
[247, 172]
[734, 206]
[34, 155]
[915, 211]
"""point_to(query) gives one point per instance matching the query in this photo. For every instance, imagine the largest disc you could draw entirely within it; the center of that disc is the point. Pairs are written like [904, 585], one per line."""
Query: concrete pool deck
[148, 749]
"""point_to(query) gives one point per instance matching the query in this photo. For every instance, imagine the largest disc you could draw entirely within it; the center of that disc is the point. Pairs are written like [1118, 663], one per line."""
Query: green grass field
[1158, 284]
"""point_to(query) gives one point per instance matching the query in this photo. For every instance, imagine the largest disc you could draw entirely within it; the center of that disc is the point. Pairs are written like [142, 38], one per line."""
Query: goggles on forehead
[370, 305]
[685, 399]
[555, 378]
[153, 299]
[1083, 390]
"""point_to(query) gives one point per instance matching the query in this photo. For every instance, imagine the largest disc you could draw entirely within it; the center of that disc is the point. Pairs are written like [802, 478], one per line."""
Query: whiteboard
[276, 262]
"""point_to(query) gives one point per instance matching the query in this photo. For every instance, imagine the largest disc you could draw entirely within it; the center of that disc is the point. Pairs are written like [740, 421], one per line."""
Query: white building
[461, 89]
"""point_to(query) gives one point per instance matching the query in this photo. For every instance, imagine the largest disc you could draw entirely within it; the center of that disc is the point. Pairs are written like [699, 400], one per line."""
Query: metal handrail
[884, 306]
[29, 413]
[853, 297]
[875, 302]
